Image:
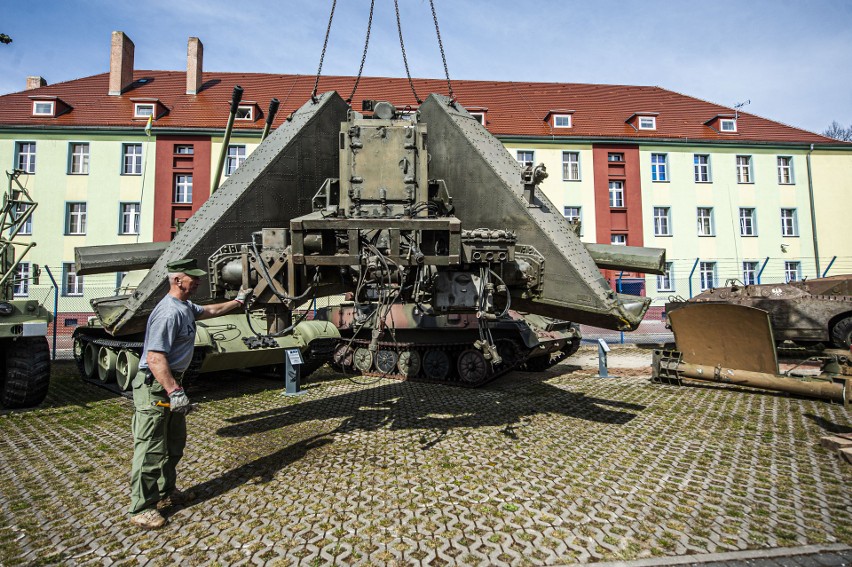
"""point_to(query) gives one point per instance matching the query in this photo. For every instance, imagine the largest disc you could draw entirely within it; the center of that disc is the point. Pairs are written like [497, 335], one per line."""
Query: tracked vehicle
[427, 220]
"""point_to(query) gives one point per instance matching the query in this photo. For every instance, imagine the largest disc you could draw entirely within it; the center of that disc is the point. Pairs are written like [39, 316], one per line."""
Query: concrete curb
[729, 557]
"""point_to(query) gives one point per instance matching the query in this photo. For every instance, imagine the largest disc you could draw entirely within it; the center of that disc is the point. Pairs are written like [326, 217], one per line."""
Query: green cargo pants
[159, 437]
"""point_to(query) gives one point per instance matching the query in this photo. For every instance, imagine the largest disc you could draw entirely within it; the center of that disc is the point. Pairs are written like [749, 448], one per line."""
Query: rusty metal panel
[733, 336]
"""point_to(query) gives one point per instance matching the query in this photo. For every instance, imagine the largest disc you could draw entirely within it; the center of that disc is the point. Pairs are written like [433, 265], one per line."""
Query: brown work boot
[150, 519]
[176, 498]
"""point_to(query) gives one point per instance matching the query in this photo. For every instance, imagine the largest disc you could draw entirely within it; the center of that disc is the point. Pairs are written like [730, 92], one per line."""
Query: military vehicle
[805, 312]
[429, 219]
[24, 352]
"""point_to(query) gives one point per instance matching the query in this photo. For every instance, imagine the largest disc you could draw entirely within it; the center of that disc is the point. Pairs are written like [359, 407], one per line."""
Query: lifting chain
[441, 47]
[402, 46]
[363, 55]
[324, 46]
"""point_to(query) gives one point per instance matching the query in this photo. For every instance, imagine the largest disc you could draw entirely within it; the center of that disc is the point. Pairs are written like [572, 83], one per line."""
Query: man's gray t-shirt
[171, 330]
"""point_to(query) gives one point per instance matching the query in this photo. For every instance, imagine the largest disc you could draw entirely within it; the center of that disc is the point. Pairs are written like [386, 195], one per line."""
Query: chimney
[35, 83]
[120, 63]
[194, 63]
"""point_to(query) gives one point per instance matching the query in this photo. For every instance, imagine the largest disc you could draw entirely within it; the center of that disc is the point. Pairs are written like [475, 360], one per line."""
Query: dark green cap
[186, 266]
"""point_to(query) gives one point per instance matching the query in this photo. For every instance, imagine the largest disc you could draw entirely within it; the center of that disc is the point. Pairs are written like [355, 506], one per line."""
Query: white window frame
[618, 239]
[665, 282]
[22, 280]
[478, 116]
[17, 210]
[744, 169]
[729, 122]
[789, 222]
[702, 170]
[660, 169]
[616, 194]
[139, 109]
[72, 284]
[525, 163]
[570, 167]
[792, 271]
[750, 272]
[129, 216]
[242, 109]
[748, 221]
[707, 275]
[568, 213]
[51, 108]
[785, 167]
[184, 149]
[234, 160]
[647, 122]
[25, 160]
[131, 162]
[662, 221]
[75, 218]
[566, 120]
[182, 193]
[78, 158]
[705, 221]
[615, 157]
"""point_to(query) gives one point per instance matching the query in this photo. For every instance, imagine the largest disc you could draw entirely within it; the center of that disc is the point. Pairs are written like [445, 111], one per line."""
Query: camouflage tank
[24, 352]
[804, 312]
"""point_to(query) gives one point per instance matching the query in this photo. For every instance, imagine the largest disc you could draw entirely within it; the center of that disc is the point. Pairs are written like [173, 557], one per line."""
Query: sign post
[293, 372]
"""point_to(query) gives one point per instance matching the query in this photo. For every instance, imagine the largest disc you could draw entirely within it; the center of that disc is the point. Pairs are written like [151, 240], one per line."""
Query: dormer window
[143, 109]
[727, 125]
[44, 108]
[647, 122]
[245, 112]
[561, 120]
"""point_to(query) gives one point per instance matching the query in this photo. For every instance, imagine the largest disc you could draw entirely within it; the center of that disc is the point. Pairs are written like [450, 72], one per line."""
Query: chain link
[402, 46]
[324, 46]
[363, 55]
[441, 47]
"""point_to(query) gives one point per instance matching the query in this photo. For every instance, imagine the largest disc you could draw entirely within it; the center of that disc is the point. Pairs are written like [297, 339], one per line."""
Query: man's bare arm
[159, 367]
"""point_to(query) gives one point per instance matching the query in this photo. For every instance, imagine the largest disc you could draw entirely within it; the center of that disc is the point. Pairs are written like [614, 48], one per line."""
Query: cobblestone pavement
[549, 468]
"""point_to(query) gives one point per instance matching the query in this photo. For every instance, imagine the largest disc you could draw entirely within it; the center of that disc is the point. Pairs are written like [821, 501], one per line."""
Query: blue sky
[791, 59]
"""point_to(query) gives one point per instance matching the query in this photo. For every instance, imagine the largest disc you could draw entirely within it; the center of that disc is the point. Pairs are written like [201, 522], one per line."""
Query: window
[183, 188]
[184, 149]
[744, 169]
[702, 168]
[75, 218]
[128, 222]
[26, 156]
[79, 158]
[662, 221]
[479, 117]
[789, 223]
[244, 113]
[526, 157]
[785, 170]
[19, 209]
[727, 125]
[647, 122]
[749, 273]
[707, 273]
[748, 222]
[22, 280]
[132, 159]
[616, 193]
[561, 120]
[571, 166]
[659, 167]
[574, 216]
[615, 157]
[72, 284]
[143, 110]
[43, 108]
[792, 271]
[705, 221]
[665, 282]
[236, 157]
[618, 239]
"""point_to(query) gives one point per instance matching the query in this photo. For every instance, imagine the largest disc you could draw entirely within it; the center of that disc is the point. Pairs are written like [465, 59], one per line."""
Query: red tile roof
[514, 108]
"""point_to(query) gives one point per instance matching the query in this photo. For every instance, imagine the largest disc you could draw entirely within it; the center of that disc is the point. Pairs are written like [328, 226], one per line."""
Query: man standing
[161, 405]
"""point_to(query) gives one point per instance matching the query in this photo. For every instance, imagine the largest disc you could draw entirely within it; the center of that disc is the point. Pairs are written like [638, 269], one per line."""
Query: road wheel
[841, 333]
[27, 362]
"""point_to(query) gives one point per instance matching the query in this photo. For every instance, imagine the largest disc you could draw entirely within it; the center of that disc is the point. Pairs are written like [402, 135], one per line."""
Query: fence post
[618, 288]
[691, 273]
[827, 268]
[763, 267]
[55, 310]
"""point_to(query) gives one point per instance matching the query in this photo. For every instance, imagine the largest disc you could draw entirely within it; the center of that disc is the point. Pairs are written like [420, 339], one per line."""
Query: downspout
[813, 212]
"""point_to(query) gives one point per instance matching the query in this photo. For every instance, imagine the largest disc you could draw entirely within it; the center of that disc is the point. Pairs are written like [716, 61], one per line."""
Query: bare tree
[838, 132]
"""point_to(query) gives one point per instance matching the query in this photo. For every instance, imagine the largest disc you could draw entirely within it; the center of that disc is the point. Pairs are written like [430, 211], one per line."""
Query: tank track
[459, 364]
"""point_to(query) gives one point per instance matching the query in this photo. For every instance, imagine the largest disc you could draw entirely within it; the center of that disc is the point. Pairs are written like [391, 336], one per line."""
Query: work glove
[179, 402]
[244, 293]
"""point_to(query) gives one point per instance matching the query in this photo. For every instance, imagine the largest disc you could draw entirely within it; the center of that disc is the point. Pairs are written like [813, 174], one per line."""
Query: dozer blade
[727, 335]
[275, 184]
[485, 183]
